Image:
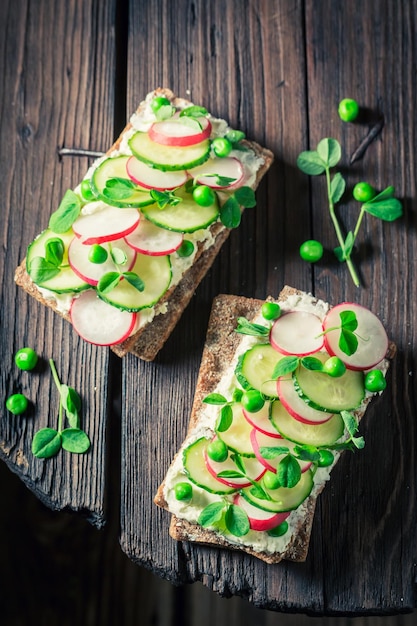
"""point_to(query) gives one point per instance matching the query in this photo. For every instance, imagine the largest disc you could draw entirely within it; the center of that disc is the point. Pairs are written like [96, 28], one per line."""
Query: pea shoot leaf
[46, 443]
[311, 363]
[225, 419]
[244, 327]
[230, 474]
[40, 270]
[71, 402]
[387, 210]
[164, 198]
[306, 452]
[75, 440]
[236, 458]
[310, 163]
[194, 111]
[329, 151]
[350, 422]
[258, 492]
[337, 187]
[343, 254]
[289, 471]
[118, 256]
[119, 188]
[54, 251]
[271, 452]
[69, 209]
[245, 196]
[236, 521]
[164, 112]
[348, 342]
[134, 280]
[192, 122]
[235, 136]
[215, 398]
[211, 514]
[286, 365]
[230, 213]
[348, 320]
[108, 281]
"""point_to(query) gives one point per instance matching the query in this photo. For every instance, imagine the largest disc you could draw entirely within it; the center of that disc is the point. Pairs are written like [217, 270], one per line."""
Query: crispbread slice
[219, 351]
[149, 339]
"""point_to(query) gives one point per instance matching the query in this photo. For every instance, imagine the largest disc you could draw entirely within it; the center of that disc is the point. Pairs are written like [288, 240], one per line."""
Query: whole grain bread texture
[220, 346]
[149, 339]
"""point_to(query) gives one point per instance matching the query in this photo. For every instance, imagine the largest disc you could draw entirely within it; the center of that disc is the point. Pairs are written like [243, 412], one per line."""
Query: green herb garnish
[63, 218]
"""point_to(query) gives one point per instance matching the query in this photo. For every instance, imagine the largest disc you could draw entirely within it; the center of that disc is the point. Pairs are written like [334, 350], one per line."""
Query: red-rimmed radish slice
[295, 406]
[107, 224]
[254, 470]
[259, 519]
[371, 335]
[98, 322]
[151, 178]
[227, 167]
[178, 132]
[260, 420]
[260, 440]
[78, 257]
[297, 333]
[150, 239]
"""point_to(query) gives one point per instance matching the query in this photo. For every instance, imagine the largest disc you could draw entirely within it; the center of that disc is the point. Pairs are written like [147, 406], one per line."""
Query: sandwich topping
[127, 234]
[271, 431]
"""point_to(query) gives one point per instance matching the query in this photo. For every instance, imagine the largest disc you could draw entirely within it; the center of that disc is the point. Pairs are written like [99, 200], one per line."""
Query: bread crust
[220, 347]
[146, 342]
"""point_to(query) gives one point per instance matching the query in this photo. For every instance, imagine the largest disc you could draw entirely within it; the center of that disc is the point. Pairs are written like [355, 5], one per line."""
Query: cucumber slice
[316, 435]
[255, 367]
[237, 436]
[326, 393]
[155, 271]
[168, 158]
[196, 469]
[185, 217]
[67, 280]
[115, 167]
[284, 498]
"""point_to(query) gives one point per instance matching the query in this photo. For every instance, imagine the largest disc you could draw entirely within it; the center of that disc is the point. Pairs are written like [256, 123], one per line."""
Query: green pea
[252, 400]
[158, 102]
[279, 530]
[375, 381]
[311, 251]
[363, 192]
[86, 191]
[17, 404]
[326, 458]
[237, 395]
[185, 249]
[234, 136]
[26, 359]
[334, 367]
[271, 310]
[348, 110]
[221, 147]
[203, 195]
[97, 254]
[183, 491]
[270, 480]
[217, 450]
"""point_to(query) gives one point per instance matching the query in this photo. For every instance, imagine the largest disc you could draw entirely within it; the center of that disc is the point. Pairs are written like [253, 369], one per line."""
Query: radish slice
[254, 470]
[92, 272]
[229, 167]
[371, 335]
[260, 440]
[107, 224]
[296, 407]
[297, 333]
[176, 132]
[147, 238]
[151, 178]
[98, 322]
[260, 420]
[258, 518]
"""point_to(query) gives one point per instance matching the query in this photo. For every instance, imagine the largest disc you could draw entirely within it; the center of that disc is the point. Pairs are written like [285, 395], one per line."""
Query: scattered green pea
[222, 147]
[270, 310]
[217, 450]
[97, 254]
[279, 530]
[363, 192]
[334, 367]
[203, 195]
[183, 491]
[186, 248]
[26, 359]
[252, 400]
[326, 458]
[270, 480]
[311, 251]
[86, 191]
[375, 381]
[348, 110]
[17, 404]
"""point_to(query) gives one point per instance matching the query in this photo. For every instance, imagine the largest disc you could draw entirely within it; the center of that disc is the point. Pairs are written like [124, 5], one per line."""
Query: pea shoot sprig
[383, 206]
[47, 442]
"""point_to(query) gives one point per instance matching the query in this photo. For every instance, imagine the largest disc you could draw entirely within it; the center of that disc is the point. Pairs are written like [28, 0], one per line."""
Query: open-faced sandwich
[281, 390]
[125, 250]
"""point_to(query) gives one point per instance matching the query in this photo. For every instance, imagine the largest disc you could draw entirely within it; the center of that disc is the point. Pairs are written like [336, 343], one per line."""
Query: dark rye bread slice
[221, 344]
[148, 340]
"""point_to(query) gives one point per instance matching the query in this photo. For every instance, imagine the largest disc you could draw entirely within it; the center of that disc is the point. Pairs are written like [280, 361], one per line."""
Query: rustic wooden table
[71, 73]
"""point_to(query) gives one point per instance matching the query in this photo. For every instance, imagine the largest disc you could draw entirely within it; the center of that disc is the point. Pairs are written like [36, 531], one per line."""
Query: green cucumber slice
[185, 217]
[324, 434]
[168, 158]
[115, 167]
[237, 436]
[196, 470]
[255, 367]
[284, 498]
[326, 393]
[155, 271]
[64, 282]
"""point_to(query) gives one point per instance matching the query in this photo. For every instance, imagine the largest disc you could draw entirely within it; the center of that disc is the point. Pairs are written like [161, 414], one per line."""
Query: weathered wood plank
[57, 74]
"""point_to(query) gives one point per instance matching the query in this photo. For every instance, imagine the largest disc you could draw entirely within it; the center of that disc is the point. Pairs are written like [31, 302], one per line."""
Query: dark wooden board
[278, 70]
[59, 92]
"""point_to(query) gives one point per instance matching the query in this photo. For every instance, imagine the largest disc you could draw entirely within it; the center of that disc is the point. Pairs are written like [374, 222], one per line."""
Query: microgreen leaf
[75, 440]
[108, 281]
[194, 111]
[230, 213]
[329, 151]
[46, 443]
[310, 163]
[350, 422]
[225, 419]
[258, 492]
[215, 398]
[342, 254]
[164, 112]
[286, 365]
[134, 280]
[386, 193]
[271, 452]
[119, 188]
[236, 521]
[245, 196]
[164, 198]
[289, 471]
[348, 342]
[239, 462]
[312, 363]
[348, 320]
[358, 442]
[118, 256]
[40, 270]
[337, 187]
[244, 327]
[230, 474]
[235, 136]
[54, 251]
[192, 122]
[211, 514]
[71, 402]
[387, 210]
[306, 452]
[69, 209]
